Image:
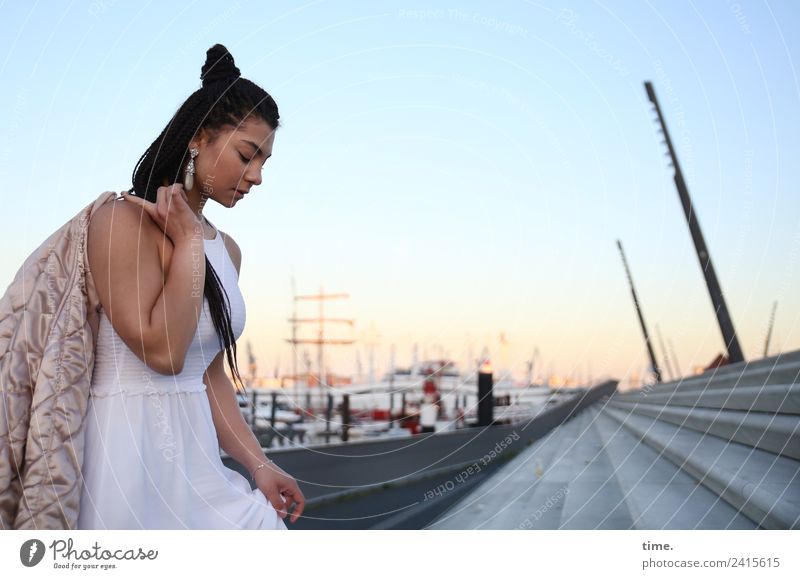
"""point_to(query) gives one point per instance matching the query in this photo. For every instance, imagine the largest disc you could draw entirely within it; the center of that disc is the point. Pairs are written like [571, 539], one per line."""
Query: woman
[161, 404]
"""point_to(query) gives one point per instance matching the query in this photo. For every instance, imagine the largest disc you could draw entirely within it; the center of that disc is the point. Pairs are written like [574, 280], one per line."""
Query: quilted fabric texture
[48, 328]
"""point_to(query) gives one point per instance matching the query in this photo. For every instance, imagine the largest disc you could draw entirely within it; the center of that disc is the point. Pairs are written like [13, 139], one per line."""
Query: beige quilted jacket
[48, 329]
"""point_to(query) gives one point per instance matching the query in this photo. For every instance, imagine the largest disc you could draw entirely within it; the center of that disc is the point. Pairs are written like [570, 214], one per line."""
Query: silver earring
[188, 178]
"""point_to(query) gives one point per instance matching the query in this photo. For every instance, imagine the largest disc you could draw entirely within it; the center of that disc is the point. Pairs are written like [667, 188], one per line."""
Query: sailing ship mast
[320, 341]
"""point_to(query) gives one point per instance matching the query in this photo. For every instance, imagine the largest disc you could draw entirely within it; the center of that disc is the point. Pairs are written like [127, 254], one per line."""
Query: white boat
[457, 391]
[283, 412]
[373, 405]
[458, 395]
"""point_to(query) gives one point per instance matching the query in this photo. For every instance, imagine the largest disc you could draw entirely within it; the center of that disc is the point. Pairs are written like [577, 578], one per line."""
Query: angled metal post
[714, 289]
[648, 343]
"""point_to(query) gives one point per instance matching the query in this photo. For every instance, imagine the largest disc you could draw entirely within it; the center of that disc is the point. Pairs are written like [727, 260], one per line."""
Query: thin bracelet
[262, 465]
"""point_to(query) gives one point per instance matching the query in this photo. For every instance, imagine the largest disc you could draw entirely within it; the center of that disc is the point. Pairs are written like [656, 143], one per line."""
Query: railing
[328, 471]
[336, 421]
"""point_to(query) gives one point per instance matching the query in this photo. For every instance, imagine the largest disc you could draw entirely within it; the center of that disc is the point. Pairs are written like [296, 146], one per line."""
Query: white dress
[151, 455]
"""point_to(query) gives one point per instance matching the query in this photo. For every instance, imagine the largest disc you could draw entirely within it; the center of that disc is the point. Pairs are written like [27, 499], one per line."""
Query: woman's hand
[171, 212]
[273, 481]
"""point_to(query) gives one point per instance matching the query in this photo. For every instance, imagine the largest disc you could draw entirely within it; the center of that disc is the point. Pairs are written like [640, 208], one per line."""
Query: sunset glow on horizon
[461, 173]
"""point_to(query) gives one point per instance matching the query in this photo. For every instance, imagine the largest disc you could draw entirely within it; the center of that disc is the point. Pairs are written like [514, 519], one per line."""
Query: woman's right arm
[173, 319]
[155, 312]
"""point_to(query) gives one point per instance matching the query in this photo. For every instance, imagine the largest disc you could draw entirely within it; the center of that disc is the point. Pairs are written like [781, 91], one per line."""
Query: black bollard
[485, 398]
[345, 417]
[328, 418]
[274, 407]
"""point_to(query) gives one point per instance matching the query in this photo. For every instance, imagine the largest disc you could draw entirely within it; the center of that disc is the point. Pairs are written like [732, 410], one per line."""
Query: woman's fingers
[170, 211]
[166, 198]
[296, 498]
[277, 502]
[299, 501]
[162, 202]
[144, 203]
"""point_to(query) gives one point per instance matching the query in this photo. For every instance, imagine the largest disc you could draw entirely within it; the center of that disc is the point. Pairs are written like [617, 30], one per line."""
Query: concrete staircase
[716, 451]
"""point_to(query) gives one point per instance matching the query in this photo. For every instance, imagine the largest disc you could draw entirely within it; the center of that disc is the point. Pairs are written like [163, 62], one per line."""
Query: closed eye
[243, 158]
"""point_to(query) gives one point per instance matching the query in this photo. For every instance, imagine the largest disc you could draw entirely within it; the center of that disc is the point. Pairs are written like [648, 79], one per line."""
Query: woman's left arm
[235, 436]
[236, 439]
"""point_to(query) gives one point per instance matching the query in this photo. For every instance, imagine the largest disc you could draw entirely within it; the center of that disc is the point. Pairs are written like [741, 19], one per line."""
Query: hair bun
[219, 66]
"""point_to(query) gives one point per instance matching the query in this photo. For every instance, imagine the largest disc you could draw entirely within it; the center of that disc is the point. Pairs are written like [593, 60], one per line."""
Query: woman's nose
[253, 174]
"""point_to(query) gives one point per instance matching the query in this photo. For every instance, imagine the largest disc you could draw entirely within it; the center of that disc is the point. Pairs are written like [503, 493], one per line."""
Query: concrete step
[782, 373]
[526, 493]
[771, 361]
[775, 398]
[595, 499]
[658, 494]
[763, 486]
[776, 433]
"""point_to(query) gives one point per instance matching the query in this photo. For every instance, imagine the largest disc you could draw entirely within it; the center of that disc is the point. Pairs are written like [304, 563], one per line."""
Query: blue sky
[460, 169]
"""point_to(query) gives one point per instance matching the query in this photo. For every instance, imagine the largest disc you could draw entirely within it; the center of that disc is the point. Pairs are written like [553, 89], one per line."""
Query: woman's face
[230, 165]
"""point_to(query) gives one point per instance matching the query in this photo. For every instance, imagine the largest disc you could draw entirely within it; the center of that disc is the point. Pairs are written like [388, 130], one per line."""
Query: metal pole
[667, 363]
[320, 356]
[714, 289]
[674, 356]
[653, 362]
[296, 386]
[253, 394]
[769, 331]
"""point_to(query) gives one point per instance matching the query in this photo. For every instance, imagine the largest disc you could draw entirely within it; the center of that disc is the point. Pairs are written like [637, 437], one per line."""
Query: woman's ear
[200, 140]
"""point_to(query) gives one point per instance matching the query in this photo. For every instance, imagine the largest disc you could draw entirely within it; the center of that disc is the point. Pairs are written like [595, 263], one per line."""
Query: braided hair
[225, 99]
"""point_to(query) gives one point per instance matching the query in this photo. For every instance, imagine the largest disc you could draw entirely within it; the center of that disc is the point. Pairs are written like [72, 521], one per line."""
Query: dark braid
[225, 99]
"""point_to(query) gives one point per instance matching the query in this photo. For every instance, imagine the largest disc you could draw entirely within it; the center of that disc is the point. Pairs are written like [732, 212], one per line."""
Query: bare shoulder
[119, 213]
[233, 250]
